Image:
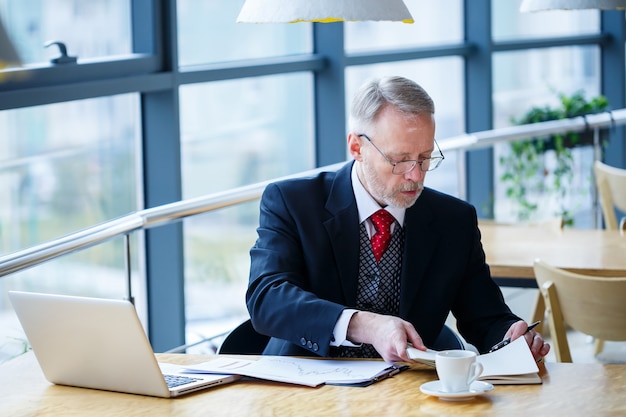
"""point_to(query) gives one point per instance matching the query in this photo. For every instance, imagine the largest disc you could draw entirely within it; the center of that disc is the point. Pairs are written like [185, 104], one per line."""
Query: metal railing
[169, 213]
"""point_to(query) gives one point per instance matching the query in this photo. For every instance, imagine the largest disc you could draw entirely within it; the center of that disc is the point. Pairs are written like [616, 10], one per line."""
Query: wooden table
[567, 389]
[511, 250]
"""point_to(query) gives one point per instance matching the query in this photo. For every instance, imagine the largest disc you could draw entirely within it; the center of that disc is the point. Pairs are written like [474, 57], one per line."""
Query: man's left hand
[538, 346]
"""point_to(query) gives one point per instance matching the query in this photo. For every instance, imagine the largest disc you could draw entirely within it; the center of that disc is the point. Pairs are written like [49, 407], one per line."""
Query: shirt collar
[366, 204]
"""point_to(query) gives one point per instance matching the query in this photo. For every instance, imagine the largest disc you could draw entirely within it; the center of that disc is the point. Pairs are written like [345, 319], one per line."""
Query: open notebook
[101, 344]
[512, 364]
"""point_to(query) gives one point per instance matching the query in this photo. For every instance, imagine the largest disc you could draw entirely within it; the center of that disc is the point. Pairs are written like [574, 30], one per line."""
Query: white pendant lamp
[325, 11]
[539, 5]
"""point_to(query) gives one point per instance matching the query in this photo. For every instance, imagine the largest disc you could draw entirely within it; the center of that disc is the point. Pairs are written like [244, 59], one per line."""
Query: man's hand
[388, 334]
[538, 347]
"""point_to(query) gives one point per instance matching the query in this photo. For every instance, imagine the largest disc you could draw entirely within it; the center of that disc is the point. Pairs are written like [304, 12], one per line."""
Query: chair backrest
[244, 340]
[595, 306]
[448, 339]
[611, 183]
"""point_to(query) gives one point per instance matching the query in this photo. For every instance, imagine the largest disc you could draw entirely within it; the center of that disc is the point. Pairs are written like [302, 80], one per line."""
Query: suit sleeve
[448, 273]
[483, 316]
[282, 298]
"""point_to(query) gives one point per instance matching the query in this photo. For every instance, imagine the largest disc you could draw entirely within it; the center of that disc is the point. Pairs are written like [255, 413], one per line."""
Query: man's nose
[416, 174]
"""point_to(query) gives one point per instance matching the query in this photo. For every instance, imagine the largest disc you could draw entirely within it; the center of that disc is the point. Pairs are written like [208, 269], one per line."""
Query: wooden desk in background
[571, 389]
[511, 250]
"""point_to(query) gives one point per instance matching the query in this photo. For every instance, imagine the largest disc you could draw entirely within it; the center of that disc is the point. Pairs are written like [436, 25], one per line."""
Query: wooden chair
[244, 340]
[611, 183]
[591, 305]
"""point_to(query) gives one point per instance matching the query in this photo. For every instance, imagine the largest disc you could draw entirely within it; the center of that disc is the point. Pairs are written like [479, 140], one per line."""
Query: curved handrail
[488, 138]
[142, 219]
[168, 213]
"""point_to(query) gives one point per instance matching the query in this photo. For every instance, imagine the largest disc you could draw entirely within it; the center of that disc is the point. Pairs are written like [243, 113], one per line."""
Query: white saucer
[435, 388]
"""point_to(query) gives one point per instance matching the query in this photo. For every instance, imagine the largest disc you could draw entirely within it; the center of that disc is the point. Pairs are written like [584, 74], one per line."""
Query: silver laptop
[101, 344]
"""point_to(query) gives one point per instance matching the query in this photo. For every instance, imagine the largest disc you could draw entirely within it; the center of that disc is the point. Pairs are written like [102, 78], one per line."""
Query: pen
[508, 339]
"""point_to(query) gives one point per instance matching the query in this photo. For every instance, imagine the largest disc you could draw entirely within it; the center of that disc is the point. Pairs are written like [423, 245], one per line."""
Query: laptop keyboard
[177, 380]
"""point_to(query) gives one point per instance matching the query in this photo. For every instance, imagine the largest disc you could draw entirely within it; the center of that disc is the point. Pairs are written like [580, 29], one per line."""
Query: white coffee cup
[457, 369]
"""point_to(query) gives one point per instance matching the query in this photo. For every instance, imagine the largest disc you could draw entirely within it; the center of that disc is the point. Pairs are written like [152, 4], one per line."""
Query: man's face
[400, 138]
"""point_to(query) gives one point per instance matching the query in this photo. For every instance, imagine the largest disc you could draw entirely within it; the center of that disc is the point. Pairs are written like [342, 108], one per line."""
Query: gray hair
[405, 95]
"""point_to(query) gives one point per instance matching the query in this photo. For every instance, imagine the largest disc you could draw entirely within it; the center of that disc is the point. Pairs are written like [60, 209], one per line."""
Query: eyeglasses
[402, 167]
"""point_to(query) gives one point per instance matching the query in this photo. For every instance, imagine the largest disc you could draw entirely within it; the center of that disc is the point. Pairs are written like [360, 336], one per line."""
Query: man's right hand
[389, 335]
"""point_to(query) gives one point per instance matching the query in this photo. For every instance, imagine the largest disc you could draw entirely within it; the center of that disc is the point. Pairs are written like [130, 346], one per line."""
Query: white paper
[513, 359]
[513, 363]
[426, 357]
[310, 372]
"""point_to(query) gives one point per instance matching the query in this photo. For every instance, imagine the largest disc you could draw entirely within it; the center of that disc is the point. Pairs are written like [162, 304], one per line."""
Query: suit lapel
[343, 231]
[417, 251]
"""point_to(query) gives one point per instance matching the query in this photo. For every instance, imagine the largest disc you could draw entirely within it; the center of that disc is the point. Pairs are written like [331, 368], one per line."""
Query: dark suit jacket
[304, 267]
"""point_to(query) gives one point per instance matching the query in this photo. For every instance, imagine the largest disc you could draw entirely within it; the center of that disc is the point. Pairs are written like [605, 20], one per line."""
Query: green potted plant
[526, 175]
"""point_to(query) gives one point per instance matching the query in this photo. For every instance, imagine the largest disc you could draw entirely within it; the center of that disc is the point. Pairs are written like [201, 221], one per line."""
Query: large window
[89, 29]
[508, 23]
[235, 133]
[172, 99]
[537, 78]
[65, 167]
[437, 23]
[209, 33]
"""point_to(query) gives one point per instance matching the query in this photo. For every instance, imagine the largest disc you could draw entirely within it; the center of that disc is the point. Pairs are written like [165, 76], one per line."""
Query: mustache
[414, 186]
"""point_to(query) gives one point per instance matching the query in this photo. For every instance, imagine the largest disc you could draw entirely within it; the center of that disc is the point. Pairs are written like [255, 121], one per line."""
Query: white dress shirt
[366, 205]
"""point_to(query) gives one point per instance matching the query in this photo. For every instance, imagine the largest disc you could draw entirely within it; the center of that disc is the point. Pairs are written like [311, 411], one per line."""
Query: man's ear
[354, 146]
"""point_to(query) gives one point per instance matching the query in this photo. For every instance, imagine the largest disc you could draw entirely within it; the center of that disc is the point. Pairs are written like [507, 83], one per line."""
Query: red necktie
[382, 221]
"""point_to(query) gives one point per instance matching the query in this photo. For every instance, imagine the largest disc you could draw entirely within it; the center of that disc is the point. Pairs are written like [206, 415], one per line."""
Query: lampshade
[8, 54]
[538, 5]
[292, 11]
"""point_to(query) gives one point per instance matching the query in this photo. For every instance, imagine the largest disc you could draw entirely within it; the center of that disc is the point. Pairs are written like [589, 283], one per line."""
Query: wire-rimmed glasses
[402, 167]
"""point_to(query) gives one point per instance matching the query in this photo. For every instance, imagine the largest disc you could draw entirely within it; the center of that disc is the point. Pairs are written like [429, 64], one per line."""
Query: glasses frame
[435, 161]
